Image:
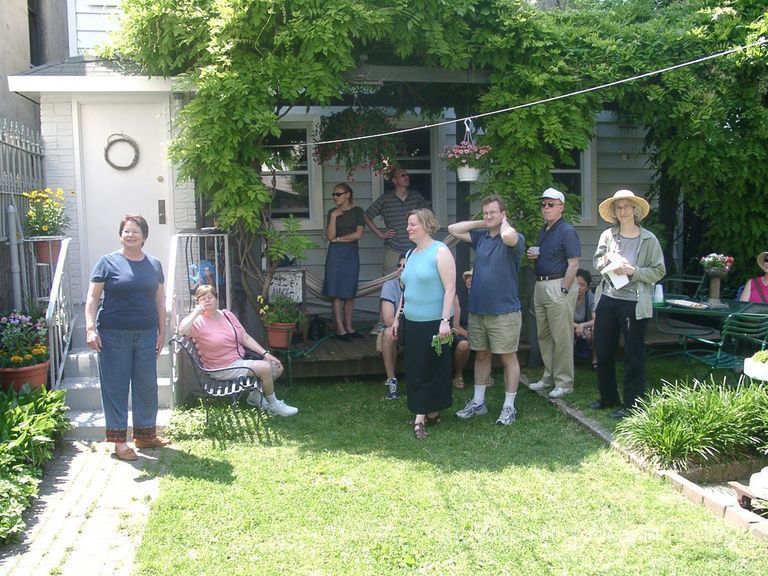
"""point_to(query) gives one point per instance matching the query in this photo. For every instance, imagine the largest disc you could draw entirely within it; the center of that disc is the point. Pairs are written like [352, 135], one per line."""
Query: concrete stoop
[717, 498]
[89, 425]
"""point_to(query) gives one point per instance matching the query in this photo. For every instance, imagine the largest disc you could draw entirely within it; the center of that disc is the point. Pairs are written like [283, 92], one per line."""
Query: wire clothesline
[465, 119]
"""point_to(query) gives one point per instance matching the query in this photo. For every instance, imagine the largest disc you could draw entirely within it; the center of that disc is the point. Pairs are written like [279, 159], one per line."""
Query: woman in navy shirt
[128, 332]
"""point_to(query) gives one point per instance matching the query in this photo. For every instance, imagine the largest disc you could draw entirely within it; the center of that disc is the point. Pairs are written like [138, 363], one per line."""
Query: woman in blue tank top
[429, 279]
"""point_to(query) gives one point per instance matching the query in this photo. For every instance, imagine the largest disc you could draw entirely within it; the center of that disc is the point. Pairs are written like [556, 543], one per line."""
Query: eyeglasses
[337, 194]
[546, 204]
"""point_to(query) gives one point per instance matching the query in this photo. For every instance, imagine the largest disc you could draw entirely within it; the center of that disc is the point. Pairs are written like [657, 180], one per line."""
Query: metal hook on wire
[469, 129]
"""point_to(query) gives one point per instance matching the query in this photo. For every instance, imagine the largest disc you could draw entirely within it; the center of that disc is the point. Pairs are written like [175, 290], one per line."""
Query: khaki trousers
[554, 323]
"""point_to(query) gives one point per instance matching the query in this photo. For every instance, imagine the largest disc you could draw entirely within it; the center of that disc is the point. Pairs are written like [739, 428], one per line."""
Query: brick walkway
[89, 518]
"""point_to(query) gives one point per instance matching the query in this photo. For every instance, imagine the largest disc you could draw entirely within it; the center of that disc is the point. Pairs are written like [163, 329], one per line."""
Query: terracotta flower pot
[279, 334]
[36, 375]
[47, 251]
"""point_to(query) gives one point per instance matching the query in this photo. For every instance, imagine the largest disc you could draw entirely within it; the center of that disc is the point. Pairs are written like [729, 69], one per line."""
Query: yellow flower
[17, 359]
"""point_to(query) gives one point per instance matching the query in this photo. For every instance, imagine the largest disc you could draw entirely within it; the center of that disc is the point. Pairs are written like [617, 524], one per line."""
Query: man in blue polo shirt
[554, 297]
[394, 208]
[494, 306]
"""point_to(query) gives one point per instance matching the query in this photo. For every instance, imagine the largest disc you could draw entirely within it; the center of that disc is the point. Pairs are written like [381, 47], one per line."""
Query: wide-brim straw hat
[762, 257]
[467, 273]
[606, 206]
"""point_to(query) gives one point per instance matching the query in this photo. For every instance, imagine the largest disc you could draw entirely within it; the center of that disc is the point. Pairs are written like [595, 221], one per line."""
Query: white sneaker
[378, 328]
[559, 392]
[540, 385]
[472, 409]
[280, 408]
[256, 399]
[507, 416]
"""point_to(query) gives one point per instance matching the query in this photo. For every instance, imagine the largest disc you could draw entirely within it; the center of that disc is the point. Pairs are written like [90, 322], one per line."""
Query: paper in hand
[616, 280]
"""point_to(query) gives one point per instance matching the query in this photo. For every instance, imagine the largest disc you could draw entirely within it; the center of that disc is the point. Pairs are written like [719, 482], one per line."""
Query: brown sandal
[125, 453]
[420, 431]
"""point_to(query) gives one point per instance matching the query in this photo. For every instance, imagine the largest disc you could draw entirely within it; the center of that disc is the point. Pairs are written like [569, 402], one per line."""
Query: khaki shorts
[499, 333]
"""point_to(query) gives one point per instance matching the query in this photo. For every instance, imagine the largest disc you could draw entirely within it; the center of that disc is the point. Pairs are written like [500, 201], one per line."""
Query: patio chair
[685, 286]
[741, 335]
[211, 389]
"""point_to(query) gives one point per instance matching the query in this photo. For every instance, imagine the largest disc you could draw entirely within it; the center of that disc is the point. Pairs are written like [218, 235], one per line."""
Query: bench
[210, 388]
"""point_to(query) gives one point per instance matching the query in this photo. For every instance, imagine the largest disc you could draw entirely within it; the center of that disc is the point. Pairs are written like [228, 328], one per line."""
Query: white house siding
[620, 164]
[90, 22]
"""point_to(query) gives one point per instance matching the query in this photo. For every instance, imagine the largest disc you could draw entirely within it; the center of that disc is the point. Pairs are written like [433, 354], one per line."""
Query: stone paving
[90, 516]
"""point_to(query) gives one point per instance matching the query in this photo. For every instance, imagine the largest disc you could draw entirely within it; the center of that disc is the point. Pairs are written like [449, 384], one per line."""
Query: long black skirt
[428, 376]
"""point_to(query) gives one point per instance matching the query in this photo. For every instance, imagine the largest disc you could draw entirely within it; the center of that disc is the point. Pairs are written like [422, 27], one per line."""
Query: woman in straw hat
[630, 259]
[756, 290]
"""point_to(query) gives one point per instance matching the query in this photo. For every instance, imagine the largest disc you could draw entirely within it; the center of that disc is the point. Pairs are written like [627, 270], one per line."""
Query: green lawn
[344, 488]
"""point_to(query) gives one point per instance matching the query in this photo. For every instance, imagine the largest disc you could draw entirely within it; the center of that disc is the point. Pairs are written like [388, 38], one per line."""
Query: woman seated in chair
[223, 343]
[756, 290]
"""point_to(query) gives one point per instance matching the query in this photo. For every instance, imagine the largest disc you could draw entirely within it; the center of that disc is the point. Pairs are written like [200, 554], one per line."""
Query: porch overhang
[86, 74]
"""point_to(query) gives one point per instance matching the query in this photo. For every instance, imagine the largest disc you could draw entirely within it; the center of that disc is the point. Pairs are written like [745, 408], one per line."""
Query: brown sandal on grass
[458, 383]
[420, 431]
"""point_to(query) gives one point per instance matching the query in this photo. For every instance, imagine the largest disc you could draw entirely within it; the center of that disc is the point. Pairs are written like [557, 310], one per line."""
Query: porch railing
[59, 316]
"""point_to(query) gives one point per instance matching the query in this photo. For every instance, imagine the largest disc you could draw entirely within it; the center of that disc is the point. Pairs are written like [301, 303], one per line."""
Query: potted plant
[375, 153]
[46, 221]
[280, 316]
[716, 266]
[467, 158]
[23, 351]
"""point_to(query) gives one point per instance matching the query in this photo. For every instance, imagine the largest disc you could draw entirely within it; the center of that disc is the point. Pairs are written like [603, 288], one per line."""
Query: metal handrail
[59, 316]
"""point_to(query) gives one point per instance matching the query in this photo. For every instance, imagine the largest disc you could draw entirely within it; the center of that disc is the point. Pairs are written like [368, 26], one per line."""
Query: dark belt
[551, 277]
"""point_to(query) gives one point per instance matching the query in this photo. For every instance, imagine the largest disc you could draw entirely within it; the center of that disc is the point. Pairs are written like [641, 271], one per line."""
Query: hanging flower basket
[377, 153]
[468, 174]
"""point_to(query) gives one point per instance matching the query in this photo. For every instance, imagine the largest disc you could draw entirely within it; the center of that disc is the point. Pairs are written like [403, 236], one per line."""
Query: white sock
[509, 399]
[272, 399]
[479, 393]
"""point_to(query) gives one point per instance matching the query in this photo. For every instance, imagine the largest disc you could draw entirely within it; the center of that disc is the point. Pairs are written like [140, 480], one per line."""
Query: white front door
[113, 136]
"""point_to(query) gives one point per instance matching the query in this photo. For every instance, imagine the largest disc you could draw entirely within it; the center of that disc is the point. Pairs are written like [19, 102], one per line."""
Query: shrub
[681, 426]
[30, 422]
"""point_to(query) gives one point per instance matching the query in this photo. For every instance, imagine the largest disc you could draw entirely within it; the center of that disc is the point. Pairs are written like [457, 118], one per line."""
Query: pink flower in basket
[465, 153]
[716, 262]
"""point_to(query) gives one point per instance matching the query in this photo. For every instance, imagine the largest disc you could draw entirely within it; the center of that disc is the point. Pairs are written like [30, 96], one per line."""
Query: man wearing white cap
[555, 294]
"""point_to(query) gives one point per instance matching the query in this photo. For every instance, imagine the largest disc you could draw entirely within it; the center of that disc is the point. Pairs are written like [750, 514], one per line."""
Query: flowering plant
[377, 154]
[716, 262]
[279, 309]
[465, 153]
[22, 341]
[46, 215]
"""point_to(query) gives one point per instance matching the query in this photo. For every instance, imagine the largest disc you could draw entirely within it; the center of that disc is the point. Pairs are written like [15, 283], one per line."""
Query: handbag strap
[237, 341]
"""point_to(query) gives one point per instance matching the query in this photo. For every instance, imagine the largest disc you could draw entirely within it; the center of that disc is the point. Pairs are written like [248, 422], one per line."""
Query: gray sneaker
[507, 416]
[280, 408]
[391, 385]
[472, 409]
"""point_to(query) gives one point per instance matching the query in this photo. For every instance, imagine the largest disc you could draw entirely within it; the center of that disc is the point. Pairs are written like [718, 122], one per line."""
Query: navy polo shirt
[556, 246]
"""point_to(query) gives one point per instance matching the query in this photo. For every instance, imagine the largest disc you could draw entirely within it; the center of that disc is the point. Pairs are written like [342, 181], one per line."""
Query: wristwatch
[563, 289]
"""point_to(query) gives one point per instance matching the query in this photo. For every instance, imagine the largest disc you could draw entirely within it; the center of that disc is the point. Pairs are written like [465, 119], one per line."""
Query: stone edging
[717, 503]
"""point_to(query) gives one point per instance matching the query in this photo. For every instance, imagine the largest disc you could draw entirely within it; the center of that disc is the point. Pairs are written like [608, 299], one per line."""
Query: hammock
[315, 285]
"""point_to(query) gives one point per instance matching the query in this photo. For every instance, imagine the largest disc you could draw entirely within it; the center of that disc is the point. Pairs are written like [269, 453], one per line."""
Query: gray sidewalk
[89, 518]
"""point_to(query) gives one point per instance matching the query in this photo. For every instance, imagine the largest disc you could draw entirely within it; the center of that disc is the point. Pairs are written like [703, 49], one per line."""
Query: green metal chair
[741, 335]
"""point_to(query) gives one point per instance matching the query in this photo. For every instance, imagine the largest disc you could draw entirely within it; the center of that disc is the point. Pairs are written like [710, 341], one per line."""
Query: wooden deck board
[338, 359]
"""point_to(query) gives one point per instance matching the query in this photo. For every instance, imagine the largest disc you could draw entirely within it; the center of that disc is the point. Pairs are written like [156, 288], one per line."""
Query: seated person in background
[391, 292]
[222, 342]
[461, 349]
[756, 289]
[584, 318]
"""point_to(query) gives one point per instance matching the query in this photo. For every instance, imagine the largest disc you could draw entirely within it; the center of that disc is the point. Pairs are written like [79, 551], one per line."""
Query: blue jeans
[127, 361]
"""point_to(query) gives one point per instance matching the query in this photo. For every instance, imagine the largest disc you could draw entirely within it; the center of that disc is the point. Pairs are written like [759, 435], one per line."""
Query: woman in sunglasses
[346, 223]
